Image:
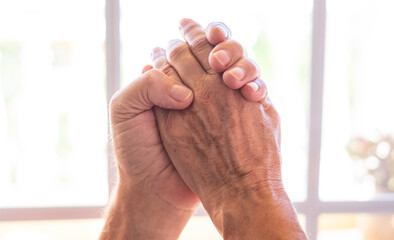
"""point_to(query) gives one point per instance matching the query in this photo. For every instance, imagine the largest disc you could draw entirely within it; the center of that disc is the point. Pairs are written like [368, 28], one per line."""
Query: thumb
[217, 32]
[153, 88]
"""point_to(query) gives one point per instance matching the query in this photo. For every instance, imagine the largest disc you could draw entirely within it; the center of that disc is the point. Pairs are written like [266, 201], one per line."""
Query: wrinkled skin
[222, 149]
[221, 145]
[141, 157]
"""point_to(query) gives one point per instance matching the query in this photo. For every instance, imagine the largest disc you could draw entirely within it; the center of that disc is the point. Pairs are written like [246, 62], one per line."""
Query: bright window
[53, 120]
[328, 67]
[358, 129]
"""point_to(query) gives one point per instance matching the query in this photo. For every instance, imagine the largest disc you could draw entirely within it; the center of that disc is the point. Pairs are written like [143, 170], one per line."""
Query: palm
[138, 142]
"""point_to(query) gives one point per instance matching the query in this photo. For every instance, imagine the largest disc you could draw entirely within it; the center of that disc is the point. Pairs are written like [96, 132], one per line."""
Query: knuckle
[150, 76]
[169, 71]
[235, 44]
[232, 46]
[205, 95]
[160, 62]
[253, 65]
[177, 51]
[200, 43]
[251, 69]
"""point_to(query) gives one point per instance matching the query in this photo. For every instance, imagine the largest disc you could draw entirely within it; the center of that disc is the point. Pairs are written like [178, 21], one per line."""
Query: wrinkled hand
[141, 157]
[222, 146]
[151, 200]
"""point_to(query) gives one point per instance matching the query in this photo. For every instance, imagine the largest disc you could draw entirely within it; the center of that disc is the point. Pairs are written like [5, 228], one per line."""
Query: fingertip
[184, 22]
[217, 32]
[255, 91]
[219, 60]
[164, 91]
[147, 68]
[223, 31]
[180, 93]
[181, 97]
[234, 78]
[186, 25]
[226, 54]
[233, 81]
[253, 86]
[156, 52]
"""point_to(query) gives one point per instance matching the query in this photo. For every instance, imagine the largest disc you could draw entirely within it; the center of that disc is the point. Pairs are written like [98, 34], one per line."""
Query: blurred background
[58, 66]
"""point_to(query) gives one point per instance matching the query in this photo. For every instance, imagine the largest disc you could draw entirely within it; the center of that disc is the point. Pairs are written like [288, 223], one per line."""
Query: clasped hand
[198, 126]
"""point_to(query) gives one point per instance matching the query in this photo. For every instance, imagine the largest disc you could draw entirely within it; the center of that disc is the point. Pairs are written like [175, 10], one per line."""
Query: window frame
[112, 53]
[312, 207]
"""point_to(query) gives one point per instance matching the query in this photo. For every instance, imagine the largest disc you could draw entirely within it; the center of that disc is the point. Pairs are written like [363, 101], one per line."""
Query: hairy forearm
[138, 214]
[257, 215]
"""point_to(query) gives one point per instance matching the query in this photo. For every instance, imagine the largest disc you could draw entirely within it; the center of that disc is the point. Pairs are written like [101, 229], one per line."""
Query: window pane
[358, 130]
[277, 37]
[87, 229]
[356, 227]
[53, 121]
[201, 227]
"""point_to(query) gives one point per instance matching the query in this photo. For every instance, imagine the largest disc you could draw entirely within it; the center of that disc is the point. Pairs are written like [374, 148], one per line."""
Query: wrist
[137, 213]
[256, 213]
[252, 187]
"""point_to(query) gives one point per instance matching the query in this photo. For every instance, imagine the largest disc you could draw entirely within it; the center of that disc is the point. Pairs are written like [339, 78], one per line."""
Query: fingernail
[180, 93]
[237, 72]
[223, 57]
[254, 86]
[223, 30]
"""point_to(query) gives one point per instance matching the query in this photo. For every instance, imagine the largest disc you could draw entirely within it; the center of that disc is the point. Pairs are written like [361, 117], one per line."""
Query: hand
[252, 87]
[151, 159]
[146, 175]
[210, 134]
[227, 150]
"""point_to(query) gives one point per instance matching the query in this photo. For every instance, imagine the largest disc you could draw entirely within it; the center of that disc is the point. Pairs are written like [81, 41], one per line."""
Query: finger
[195, 37]
[153, 88]
[225, 54]
[255, 91]
[183, 61]
[217, 32]
[146, 68]
[159, 58]
[241, 73]
[160, 62]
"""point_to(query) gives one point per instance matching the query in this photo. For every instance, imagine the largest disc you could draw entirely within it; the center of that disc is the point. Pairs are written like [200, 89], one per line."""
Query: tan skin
[148, 184]
[152, 200]
[227, 150]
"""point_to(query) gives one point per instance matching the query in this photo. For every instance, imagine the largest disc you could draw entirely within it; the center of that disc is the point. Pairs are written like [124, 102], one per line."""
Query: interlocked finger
[197, 40]
[159, 60]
